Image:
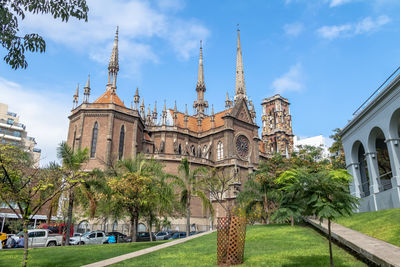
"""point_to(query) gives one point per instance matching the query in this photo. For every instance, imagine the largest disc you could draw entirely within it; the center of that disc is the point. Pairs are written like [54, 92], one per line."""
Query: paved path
[377, 251]
[144, 251]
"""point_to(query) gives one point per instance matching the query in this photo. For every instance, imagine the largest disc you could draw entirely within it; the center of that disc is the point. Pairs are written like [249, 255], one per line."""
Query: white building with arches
[371, 142]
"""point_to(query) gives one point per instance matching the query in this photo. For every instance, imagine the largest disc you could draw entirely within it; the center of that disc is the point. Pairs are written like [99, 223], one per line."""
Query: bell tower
[277, 135]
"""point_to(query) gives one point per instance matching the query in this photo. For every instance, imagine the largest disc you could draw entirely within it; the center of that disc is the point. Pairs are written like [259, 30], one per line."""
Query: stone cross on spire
[200, 105]
[240, 86]
[113, 66]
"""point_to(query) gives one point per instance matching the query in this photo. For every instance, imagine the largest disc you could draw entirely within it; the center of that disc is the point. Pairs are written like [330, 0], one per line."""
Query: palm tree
[72, 162]
[189, 184]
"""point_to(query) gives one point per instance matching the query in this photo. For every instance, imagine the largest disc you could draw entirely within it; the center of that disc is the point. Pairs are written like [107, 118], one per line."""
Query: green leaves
[12, 10]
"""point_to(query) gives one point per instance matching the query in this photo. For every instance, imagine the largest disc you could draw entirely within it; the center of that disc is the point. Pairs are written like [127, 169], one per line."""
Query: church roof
[110, 98]
[205, 122]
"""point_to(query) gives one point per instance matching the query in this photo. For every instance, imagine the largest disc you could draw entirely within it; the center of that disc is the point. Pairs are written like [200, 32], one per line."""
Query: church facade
[228, 138]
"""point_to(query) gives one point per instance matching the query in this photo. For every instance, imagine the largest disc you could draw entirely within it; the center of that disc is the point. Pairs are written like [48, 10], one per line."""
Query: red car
[57, 228]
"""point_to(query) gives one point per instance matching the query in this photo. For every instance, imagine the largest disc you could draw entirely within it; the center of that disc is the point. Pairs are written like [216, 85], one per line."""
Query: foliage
[24, 188]
[338, 160]
[261, 191]
[266, 245]
[189, 182]
[72, 164]
[11, 12]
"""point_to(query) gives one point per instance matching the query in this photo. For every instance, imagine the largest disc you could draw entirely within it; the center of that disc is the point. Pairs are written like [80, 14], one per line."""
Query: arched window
[121, 142]
[179, 149]
[83, 227]
[193, 151]
[73, 141]
[220, 151]
[94, 140]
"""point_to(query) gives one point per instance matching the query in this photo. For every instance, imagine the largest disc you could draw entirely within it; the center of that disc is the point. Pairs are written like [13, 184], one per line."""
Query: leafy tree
[131, 188]
[25, 188]
[338, 160]
[12, 11]
[261, 190]
[324, 194]
[72, 164]
[189, 183]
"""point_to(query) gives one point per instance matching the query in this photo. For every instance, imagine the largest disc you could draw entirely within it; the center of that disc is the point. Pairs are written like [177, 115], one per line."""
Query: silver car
[89, 238]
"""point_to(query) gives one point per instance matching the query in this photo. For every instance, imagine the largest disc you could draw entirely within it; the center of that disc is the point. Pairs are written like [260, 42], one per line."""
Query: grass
[273, 245]
[71, 255]
[382, 224]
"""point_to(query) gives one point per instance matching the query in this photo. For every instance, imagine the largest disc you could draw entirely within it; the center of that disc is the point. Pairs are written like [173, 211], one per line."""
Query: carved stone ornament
[242, 146]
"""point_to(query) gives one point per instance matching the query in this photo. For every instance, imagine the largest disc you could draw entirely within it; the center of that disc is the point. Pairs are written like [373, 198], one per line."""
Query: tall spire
[200, 105]
[86, 91]
[113, 66]
[240, 86]
[136, 98]
[75, 97]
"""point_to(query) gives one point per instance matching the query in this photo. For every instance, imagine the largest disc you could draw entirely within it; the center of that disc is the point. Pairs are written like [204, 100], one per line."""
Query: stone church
[228, 138]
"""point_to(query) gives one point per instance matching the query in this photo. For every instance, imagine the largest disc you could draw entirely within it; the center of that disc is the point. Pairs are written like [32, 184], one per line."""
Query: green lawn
[274, 245]
[383, 224]
[72, 255]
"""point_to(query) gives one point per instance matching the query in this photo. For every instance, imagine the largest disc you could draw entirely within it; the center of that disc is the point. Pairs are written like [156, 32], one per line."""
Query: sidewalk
[375, 250]
[144, 251]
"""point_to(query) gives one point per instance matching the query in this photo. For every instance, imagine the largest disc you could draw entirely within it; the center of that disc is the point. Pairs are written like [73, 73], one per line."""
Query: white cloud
[290, 81]
[44, 115]
[334, 3]
[293, 29]
[366, 25]
[140, 22]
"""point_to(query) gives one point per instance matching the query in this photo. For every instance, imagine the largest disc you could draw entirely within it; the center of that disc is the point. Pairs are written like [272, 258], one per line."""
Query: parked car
[57, 228]
[161, 235]
[178, 235]
[89, 238]
[120, 237]
[42, 238]
[144, 236]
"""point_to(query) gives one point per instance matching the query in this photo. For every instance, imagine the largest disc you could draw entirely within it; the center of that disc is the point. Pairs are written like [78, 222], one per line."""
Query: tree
[189, 184]
[324, 194]
[261, 190]
[338, 160]
[72, 164]
[12, 11]
[25, 188]
[131, 188]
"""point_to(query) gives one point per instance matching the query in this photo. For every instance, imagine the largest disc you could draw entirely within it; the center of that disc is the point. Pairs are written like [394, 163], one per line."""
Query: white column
[355, 184]
[2, 225]
[393, 146]
[374, 181]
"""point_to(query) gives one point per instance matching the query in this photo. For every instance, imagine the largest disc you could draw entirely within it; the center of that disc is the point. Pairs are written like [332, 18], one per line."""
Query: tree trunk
[69, 215]
[151, 236]
[330, 243]
[291, 221]
[25, 226]
[187, 218]
[50, 212]
[134, 225]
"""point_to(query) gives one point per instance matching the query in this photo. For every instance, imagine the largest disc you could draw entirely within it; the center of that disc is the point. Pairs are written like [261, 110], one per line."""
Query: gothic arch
[121, 142]
[93, 143]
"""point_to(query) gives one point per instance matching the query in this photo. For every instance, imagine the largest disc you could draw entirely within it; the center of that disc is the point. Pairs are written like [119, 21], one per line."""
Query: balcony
[11, 124]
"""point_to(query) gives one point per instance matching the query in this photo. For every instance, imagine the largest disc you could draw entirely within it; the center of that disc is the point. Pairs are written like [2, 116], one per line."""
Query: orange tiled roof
[109, 98]
[205, 124]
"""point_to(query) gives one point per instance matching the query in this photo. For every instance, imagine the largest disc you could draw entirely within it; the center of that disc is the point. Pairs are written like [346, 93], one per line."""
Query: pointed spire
[228, 102]
[240, 87]
[212, 117]
[113, 66]
[86, 90]
[75, 98]
[155, 113]
[186, 110]
[186, 117]
[136, 98]
[200, 105]
[142, 110]
[148, 119]
[175, 108]
[175, 113]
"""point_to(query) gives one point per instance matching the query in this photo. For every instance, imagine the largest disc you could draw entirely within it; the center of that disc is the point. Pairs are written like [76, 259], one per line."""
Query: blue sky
[325, 56]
